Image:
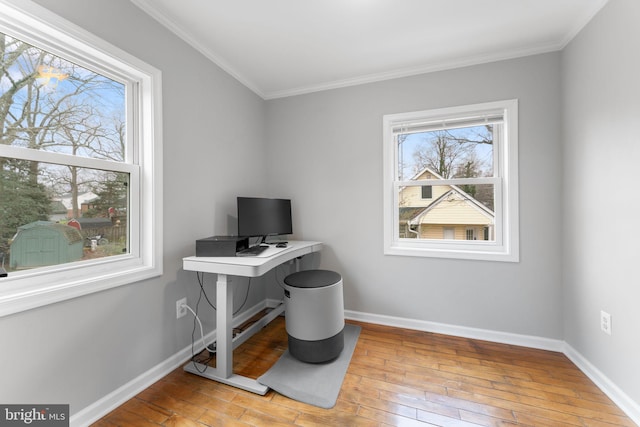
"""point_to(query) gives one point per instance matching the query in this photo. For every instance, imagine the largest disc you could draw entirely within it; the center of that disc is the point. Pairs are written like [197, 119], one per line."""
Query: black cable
[202, 291]
[193, 331]
[193, 338]
[246, 296]
[206, 361]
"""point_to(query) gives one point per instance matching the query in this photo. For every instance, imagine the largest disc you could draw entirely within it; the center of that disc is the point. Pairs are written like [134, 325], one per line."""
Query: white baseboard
[102, 407]
[624, 402]
[459, 331]
[108, 403]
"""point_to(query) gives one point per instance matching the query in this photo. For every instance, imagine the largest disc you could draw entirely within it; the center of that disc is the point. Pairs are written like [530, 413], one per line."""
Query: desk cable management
[211, 348]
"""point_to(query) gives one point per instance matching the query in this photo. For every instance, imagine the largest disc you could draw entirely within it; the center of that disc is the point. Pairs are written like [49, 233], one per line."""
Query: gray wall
[601, 93]
[328, 148]
[324, 151]
[80, 350]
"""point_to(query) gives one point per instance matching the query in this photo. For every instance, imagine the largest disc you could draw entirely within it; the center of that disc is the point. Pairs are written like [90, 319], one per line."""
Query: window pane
[454, 213]
[451, 182]
[50, 104]
[55, 214]
[453, 153]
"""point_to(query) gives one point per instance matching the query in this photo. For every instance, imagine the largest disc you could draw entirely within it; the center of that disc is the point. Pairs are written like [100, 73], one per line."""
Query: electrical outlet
[605, 322]
[181, 309]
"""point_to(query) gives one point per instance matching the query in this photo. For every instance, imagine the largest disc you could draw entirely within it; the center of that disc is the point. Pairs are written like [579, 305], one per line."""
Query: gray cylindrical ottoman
[314, 315]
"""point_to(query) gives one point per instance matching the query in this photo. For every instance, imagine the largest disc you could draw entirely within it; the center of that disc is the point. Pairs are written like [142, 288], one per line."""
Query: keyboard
[252, 251]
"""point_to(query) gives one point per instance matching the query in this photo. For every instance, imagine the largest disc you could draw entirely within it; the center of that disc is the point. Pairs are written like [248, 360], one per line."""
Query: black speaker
[221, 245]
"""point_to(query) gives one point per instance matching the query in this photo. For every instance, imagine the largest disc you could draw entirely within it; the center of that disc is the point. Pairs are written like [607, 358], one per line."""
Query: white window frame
[29, 289]
[505, 181]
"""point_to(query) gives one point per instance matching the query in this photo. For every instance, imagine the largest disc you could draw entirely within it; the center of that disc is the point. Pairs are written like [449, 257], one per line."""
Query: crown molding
[149, 8]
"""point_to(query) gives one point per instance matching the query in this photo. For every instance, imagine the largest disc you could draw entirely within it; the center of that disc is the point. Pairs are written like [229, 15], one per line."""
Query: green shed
[42, 243]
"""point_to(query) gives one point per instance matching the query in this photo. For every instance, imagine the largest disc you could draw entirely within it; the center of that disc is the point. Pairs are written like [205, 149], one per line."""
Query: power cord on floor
[210, 348]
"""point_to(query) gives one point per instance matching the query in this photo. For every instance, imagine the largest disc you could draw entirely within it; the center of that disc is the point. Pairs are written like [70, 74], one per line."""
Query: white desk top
[251, 266]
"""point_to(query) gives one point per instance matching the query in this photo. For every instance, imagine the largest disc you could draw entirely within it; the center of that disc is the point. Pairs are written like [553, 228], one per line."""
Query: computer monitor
[262, 217]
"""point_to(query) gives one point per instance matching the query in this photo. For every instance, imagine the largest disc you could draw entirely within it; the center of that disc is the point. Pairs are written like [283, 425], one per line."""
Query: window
[467, 158]
[427, 191]
[80, 162]
[471, 234]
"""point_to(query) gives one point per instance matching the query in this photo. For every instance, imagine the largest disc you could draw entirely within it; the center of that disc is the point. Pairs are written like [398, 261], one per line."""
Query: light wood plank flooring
[397, 377]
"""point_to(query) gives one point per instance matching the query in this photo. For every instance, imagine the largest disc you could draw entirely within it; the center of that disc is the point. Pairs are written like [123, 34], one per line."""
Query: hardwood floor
[397, 377]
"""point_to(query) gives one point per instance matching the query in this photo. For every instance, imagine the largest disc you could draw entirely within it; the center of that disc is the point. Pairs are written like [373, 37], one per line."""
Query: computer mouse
[281, 245]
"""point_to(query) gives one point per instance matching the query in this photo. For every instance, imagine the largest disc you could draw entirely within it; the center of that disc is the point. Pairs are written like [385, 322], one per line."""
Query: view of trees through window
[62, 126]
[435, 207]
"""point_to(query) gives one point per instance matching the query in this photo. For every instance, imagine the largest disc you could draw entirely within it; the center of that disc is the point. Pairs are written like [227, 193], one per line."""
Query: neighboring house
[84, 201]
[443, 212]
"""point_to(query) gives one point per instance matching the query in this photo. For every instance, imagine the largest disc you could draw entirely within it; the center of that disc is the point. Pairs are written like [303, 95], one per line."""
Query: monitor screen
[263, 217]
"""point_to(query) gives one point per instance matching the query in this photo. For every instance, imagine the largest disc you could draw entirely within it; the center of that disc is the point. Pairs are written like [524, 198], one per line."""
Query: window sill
[492, 254]
[23, 291]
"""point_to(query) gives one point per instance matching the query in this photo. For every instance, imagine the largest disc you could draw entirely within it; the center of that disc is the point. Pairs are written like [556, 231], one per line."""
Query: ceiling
[280, 48]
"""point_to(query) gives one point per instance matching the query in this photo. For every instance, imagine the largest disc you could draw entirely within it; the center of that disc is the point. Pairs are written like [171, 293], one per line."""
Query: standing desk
[253, 266]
